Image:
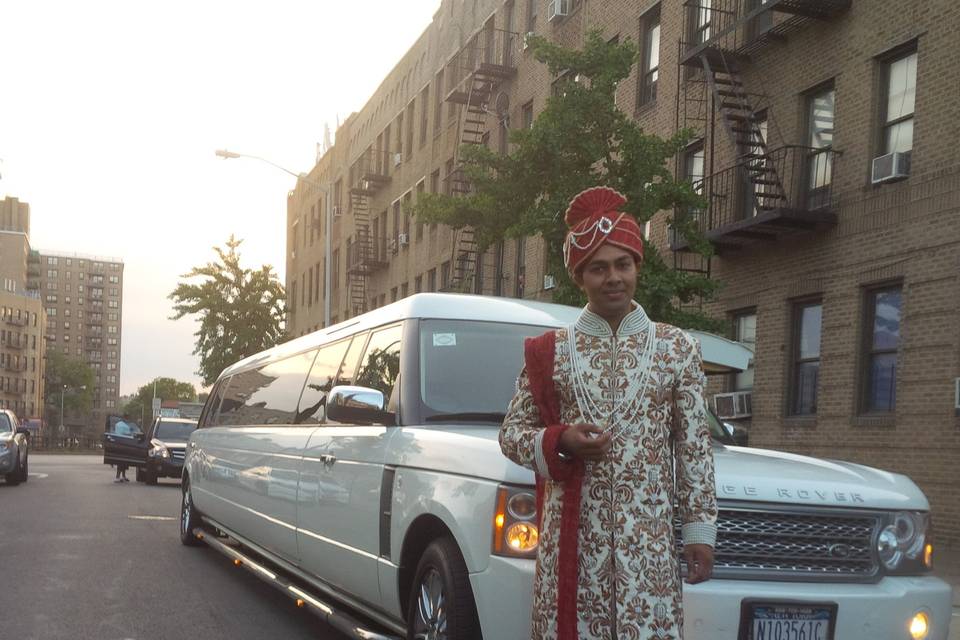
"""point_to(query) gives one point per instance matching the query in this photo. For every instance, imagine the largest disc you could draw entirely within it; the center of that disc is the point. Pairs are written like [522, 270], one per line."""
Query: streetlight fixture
[327, 223]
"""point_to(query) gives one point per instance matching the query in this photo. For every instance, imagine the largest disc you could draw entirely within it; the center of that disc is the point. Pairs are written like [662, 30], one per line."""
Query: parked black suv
[156, 454]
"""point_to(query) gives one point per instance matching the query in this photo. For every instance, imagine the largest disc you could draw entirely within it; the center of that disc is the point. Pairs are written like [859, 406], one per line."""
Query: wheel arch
[423, 530]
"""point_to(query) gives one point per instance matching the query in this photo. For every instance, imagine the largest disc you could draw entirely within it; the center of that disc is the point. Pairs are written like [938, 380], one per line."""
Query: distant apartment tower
[83, 299]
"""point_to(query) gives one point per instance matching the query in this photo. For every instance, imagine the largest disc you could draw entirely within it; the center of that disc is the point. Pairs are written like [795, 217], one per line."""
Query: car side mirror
[358, 405]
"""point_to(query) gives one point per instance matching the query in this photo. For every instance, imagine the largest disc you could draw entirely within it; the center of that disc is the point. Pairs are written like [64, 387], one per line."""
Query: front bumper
[165, 467]
[7, 461]
[880, 611]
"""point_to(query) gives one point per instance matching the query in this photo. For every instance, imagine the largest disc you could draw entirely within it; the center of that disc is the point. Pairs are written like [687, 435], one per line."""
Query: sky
[111, 112]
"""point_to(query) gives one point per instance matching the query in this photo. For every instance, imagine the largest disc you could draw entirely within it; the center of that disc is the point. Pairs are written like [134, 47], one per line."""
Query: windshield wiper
[492, 416]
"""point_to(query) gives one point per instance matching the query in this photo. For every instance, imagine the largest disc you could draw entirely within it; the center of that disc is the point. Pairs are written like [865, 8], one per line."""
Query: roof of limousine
[453, 306]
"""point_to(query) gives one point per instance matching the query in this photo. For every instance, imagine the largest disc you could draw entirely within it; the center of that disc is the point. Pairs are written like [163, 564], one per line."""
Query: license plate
[783, 620]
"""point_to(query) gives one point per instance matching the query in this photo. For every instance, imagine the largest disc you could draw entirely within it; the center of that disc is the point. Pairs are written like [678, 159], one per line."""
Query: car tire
[441, 600]
[14, 477]
[140, 476]
[189, 517]
[26, 468]
[150, 477]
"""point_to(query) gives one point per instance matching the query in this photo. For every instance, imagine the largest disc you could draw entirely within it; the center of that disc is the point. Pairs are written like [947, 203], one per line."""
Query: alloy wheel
[431, 622]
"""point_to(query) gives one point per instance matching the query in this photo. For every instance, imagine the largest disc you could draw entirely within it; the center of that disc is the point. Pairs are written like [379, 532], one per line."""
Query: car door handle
[328, 459]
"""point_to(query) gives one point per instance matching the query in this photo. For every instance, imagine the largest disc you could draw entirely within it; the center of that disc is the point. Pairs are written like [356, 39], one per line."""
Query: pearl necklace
[589, 408]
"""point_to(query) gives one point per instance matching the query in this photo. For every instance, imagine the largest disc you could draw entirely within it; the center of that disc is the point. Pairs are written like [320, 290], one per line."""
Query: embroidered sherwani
[650, 396]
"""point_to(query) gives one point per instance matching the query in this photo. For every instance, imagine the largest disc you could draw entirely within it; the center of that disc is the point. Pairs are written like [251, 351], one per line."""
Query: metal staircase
[364, 257]
[489, 60]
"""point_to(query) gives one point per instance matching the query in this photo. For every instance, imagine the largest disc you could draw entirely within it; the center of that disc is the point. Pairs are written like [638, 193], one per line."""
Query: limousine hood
[743, 474]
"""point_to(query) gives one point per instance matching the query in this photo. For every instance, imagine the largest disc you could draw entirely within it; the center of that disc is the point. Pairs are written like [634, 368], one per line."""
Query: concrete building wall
[83, 298]
[904, 234]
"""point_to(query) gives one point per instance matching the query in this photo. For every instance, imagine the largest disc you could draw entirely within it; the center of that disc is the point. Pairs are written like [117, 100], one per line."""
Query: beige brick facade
[21, 354]
[902, 234]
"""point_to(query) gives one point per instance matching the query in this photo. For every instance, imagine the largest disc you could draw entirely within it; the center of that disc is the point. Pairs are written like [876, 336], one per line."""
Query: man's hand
[585, 441]
[699, 559]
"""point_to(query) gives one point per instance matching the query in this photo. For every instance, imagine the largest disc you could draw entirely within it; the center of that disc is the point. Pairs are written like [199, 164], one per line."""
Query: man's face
[609, 279]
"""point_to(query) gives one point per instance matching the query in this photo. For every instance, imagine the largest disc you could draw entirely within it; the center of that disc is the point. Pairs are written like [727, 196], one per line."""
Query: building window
[745, 332]
[805, 369]
[444, 275]
[900, 88]
[437, 100]
[432, 280]
[881, 343]
[448, 184]
[335, 270]
[649, 55]
[702, 15]
[411, 122]
[532, 15]
[421, 187]
[418, 284]
[820, 119]
[521, 267]
[526, 116]
[424, 111]
[393, 294]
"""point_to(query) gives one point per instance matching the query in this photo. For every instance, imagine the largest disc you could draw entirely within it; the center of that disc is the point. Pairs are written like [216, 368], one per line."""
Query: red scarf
[539, 356]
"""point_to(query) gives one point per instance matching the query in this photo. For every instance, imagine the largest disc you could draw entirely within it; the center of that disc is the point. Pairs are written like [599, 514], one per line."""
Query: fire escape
[482, 66]
[764, 193]
[365, 253]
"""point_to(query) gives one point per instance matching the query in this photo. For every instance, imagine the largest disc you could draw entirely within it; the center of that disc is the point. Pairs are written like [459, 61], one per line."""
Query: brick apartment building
[22, 319]
[840, 269]
[83, 299]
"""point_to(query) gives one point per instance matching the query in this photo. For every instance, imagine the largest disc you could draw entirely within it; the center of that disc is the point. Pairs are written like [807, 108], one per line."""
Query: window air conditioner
[956, 395]
[557, 9]
[397, 158]
[336, 211]
[403, 239]
[733, 405]
[890, 167]
[526, 40]
[549, 282]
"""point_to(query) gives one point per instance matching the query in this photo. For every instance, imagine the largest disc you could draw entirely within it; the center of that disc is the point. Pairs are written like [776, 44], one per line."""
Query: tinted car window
[173, 431]
[312, 409]
[353, 357]
[268, 395]
[380, 364]
[5, 423]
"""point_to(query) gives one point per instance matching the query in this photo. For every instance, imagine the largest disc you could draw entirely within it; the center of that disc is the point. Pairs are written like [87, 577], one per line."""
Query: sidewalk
[946, 565]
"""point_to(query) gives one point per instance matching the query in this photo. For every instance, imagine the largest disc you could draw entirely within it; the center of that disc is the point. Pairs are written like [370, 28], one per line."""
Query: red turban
[594, 219]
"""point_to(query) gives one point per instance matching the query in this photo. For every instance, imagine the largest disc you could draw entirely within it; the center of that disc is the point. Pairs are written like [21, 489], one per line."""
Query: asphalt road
[78, 560]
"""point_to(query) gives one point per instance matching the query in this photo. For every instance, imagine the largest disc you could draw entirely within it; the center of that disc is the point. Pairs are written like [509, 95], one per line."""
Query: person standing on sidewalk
[610, 414]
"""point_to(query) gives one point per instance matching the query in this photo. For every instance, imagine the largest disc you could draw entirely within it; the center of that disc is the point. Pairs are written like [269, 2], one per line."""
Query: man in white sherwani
[610, 414]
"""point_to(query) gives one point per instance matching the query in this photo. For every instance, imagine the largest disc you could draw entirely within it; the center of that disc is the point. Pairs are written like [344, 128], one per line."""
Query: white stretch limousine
[357, 469]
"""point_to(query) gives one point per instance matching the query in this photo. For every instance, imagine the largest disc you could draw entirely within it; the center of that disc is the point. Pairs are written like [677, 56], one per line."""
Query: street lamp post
[327, 223]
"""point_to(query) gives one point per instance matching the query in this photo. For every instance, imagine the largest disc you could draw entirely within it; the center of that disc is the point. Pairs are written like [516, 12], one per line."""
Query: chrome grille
[795, 545]
[177, 455]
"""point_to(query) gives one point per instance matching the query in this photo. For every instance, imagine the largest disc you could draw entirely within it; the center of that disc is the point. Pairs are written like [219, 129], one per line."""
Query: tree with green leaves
[79, 379]
[580, 140]
[140, 406]
[241, 311]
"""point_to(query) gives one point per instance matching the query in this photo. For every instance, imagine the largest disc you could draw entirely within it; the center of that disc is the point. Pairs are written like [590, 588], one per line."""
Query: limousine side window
[267, 395]
[352, 359]
[312, 408]
[381, 361]
[209, 414]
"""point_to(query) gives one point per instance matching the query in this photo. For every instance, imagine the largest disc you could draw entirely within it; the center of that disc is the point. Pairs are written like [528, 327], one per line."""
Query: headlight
[515, 532]
[158, 450]
[902, 543]
[6, 445]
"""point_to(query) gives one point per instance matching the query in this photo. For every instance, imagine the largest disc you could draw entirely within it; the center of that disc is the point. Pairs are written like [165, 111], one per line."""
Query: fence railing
[796, 179]
[494, 47]
[47, 442]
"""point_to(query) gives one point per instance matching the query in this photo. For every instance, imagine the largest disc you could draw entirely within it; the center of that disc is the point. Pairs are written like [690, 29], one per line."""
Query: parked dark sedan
[14, 448]
[156, 454]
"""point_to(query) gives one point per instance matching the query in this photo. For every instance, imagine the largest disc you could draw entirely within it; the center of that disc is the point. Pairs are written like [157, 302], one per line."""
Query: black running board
[339, 620]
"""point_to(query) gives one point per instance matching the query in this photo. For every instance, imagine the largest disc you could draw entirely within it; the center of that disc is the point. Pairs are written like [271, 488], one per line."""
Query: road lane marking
[165, 518]
[38, 475]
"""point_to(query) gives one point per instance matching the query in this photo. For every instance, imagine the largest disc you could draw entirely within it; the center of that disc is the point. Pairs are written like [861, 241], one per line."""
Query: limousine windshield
[469, 369]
